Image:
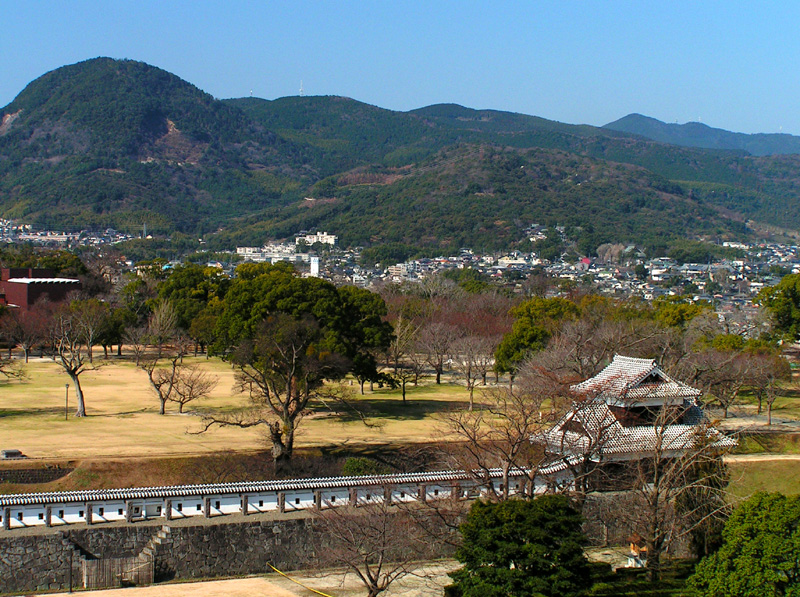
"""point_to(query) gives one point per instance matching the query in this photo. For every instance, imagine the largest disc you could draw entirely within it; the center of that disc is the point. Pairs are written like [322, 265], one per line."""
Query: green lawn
[746, 478]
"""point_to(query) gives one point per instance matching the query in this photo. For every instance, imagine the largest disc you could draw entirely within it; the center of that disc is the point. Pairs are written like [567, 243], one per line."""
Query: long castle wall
[42, 562]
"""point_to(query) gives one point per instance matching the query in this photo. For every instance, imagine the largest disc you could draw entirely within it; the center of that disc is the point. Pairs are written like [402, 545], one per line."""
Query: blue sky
[728, 64]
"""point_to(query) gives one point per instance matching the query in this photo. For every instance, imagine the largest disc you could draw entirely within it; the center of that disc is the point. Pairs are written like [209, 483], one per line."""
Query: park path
[238, 587]
[760, 457]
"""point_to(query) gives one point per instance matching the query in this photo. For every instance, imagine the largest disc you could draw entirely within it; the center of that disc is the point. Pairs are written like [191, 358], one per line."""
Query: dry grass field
[123, 421]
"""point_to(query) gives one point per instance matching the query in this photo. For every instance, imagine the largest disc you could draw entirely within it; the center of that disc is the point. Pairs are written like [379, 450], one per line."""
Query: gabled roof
[632, 407]
[630, 381]
[592, 430]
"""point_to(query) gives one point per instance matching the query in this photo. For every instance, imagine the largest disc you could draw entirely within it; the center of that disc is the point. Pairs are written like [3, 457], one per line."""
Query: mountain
[118, 142]
[121, 143]
[696, 134]
[484, 196]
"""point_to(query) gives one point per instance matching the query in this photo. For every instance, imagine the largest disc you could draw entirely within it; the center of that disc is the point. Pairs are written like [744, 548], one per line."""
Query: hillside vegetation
[120, 143]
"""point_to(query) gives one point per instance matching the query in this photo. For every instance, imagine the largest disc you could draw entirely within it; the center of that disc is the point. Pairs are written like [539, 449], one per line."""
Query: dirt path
[760, 457]
[239, 587]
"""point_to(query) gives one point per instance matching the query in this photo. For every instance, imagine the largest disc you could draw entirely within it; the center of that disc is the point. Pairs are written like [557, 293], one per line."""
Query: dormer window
[653, 378]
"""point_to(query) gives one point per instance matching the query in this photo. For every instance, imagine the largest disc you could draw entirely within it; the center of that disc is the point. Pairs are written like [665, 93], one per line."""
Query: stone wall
[33, 475]
[38, 563]
[42, 562]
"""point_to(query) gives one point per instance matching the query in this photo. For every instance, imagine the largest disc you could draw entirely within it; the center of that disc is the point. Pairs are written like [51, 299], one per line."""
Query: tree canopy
[760, 553]
[783, 301]
[522, 547]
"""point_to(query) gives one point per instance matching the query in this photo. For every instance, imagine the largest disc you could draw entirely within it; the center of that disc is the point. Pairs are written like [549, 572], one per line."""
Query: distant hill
[696, 134]
[121, 143]
[117, 143]
[483, 196]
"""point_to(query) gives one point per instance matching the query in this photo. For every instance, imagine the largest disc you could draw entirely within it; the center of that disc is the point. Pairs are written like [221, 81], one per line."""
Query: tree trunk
[361, 383]
[769, 413]
[163, 405]
[471, 393]
[403, 385]
[105, 351]
[81, 412]
[89, 351]
[25, 352]
[119, 349]
[438, 375]
[282, 445]
[653, 564]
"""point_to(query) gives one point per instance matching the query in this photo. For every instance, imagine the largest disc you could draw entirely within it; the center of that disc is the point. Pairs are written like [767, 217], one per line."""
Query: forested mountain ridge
[480, 195]
[697, 134]
[120, 143]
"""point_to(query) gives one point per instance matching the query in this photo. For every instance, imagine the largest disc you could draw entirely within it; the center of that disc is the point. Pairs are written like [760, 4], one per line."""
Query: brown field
[123, 419]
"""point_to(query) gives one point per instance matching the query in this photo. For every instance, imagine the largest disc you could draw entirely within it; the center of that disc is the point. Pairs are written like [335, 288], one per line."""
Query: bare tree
[667, 474]
[499, 435]
[136, 338]
[71, 353]
[722, 373]
[403, 342]
[191, 384]
[162, 379]
[162, 325]
[376, 542]
[767, 371]
[435, 341]
[473, 357]
[90, 316]
[27, 329]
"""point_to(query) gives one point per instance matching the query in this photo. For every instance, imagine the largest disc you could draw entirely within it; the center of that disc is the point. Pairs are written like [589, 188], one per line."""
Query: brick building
[22, 286]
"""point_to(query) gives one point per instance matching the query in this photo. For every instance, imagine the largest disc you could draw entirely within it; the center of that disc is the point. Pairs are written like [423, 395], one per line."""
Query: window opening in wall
[296, 500]
[119, 511]
[216, 505]
[180, 507]
[260, 503]
[61, 514]
[402, 494]
[158, 510]
[136, 510]
[41, 516]
[198, 507]
[333, 498]
[435, 492]
[101, 511]
[369, 497]
[19, 516]
[80, 512]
